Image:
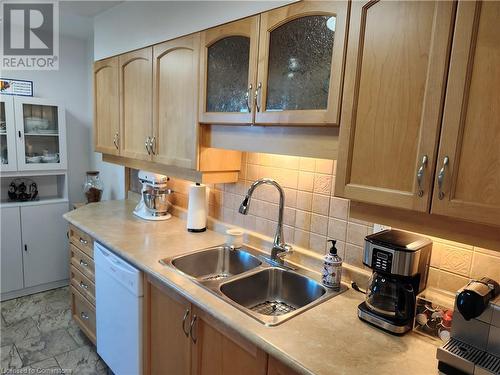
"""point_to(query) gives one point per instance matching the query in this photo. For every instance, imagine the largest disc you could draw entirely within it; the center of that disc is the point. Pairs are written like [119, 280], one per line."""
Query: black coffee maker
[399, 261]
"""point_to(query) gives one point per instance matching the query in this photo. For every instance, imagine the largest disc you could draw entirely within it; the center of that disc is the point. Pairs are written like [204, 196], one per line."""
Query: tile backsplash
[313, 215]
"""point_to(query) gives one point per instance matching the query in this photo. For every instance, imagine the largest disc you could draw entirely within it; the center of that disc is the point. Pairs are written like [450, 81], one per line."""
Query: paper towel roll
[197, 208]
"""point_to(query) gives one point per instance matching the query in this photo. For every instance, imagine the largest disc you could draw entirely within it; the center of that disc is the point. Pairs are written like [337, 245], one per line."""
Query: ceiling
[88, 9]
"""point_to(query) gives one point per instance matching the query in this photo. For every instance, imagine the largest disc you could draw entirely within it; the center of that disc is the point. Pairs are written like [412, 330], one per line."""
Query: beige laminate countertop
[327, 339]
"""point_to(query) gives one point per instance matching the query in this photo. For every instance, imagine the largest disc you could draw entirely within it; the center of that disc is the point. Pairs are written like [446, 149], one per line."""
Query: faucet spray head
[244, 206]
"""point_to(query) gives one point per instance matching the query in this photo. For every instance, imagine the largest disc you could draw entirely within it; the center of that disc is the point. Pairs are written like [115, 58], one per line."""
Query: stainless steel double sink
[251, 282]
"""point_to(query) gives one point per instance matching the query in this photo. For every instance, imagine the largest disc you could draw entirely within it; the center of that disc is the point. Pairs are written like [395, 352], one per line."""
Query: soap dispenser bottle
[332, 270]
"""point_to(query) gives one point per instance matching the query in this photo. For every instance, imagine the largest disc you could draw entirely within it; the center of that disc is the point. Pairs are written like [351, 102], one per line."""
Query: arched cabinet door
[106, 107]
[468, 185]
[301, 61]
[175, 109]
[136, 103]
[395, 80]
[228, 71]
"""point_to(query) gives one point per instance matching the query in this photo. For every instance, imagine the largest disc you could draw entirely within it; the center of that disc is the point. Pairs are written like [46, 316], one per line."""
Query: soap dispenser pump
[332, 270]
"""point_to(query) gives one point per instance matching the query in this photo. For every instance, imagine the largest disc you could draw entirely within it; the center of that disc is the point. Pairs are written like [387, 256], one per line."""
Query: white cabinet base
[32, 290]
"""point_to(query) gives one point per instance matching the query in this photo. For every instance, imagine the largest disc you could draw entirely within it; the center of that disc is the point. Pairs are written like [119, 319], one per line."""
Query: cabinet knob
[441, 175]
[249, 98]
[184, 328]
[258, 96]
[191, 332]
[420, 175]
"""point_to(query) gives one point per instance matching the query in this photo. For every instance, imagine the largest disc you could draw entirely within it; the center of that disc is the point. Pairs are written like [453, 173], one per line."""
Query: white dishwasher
[119, 297]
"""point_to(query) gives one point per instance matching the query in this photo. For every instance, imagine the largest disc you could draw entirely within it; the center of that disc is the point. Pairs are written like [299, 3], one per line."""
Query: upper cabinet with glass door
[7, 135]
[41, 133]
[301, 59]
[228, 72]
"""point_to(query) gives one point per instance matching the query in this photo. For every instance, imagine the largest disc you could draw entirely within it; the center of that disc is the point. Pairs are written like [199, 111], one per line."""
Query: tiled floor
[37, 332]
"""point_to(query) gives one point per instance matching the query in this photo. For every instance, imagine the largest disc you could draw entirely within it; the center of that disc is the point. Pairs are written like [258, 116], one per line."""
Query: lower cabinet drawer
[83, 314]
[82, 262]
[81, 240]
[83, 284]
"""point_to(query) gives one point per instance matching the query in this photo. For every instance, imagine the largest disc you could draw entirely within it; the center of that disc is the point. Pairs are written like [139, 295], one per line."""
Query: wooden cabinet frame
[271, 20]
[247, 27]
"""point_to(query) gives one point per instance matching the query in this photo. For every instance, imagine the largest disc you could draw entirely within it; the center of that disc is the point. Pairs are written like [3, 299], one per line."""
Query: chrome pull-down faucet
[280, 248]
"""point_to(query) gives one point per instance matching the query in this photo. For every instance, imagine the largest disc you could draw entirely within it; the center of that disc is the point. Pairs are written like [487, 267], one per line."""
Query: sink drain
[272, 308]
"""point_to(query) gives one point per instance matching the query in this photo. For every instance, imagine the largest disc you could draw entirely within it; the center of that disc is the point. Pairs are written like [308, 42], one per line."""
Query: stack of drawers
[82, 278]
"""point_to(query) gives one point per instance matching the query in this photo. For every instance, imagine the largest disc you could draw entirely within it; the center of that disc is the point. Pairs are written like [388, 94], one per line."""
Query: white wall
[135, 24]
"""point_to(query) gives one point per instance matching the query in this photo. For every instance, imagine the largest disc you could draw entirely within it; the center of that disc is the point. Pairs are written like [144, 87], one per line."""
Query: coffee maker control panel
[381, 260]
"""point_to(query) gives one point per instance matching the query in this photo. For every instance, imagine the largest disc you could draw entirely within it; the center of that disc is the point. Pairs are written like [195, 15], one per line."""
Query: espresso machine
[155, 197]
[399, 261]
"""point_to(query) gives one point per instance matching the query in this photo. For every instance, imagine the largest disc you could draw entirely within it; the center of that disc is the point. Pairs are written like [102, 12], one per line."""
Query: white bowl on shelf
[33, 159]
[50, 158]
[32, 124]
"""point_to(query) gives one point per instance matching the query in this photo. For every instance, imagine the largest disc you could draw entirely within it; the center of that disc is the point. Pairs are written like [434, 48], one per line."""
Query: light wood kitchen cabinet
[182, 339]
[228, 72]
[394, 86]
[282, 67]
[136, 103]
[276, 367]
[468, 185]
[300, 64]
[106, 106]
[175, 94]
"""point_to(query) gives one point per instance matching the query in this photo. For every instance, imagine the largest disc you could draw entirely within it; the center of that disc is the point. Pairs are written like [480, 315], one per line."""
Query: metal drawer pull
[258, 97]
[420, 175]
[441, 174]
[186, 332]
[84, 316]
[85, 242]
[146, 144]
[83, 285]
[115, 140]
[152, 145]
[193, 337]
[83, 263]
[249, 96]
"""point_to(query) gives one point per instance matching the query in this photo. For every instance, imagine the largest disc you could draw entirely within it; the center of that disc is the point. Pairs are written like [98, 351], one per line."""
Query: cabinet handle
[152, 145]
[249, 96]
[420, 175]
[25, 247]
[83, 285]
[191, 332]
[186, 314]
[115, 140]
[19, 134]
[84, 316]
[146, 143]
[441, 175]
[83, 263]
[83, 241]
[258, 97]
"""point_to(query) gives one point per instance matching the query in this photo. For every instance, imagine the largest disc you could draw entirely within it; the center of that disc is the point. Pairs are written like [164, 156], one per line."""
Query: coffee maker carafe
[399, 261]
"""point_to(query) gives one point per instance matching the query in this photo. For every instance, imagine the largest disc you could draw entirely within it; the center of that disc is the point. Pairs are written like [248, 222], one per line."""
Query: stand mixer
[154, 203]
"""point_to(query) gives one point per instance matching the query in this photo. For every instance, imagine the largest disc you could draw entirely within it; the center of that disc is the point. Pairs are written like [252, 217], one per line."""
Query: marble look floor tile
[82, 361]
[10, 357]
[18, 331]
[46, 364]
[53, 320]
[45, 346]
[77, 334]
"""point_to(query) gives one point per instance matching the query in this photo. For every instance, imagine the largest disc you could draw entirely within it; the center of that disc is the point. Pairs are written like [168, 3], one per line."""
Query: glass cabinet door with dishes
[7, 135]
[41, 133]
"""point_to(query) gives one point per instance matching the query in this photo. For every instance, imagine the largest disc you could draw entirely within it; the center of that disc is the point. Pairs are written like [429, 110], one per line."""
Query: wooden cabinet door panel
[11, 254]
[175, 77]
[136, 103]
[106, 106]
[169, 347]
[46, 255]
[276, 367]
[218, 350]
[470, 135]
[301, 63]
[228, 71]
[394, 87]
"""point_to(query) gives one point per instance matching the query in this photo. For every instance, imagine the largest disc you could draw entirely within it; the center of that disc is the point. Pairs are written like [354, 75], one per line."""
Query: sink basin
[273, 295]
[215, 263]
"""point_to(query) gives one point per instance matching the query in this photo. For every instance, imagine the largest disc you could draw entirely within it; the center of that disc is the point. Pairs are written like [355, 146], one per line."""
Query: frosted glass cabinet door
[228, 72]
[7, 135]
[300, 67]
[41, 134]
